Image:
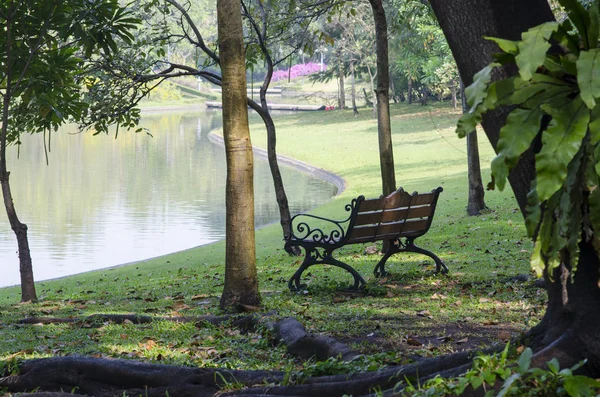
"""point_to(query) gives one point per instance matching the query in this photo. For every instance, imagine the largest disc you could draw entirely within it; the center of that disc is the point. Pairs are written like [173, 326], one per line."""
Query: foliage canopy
[554, 112]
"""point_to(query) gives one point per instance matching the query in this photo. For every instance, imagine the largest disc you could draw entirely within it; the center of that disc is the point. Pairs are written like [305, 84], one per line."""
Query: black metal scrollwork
[335, 234]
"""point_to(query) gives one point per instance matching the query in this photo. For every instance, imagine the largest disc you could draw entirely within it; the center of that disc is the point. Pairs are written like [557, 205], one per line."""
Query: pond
[103, 201]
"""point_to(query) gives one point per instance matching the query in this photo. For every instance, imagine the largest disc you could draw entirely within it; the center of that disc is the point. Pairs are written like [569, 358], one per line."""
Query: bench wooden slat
[388, 230]
[424, 198]
[406, 213]
[367, 218]
[371, 205]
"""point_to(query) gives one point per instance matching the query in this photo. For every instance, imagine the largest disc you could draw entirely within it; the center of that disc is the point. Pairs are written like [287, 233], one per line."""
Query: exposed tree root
[289, 331]
[113, 377]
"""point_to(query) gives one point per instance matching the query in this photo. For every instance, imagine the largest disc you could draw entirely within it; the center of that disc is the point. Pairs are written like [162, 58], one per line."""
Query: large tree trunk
[241, 281]
[569, 329]
[386, 151]
[25, 265]
[476, 201]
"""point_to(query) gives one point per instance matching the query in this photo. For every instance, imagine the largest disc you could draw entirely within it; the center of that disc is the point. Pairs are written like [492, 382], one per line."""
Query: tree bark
[354, 108]
[476, 200]
[342, 89]
[410, 89]
[241, 281]
[386, 151]
[20, 229]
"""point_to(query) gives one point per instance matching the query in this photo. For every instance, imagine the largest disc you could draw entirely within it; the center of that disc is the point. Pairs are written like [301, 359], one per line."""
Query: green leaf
[537, 262]
[508, 46]
[533, 48]
[524, 360]
[561, 141]
[580, 18]
[477, 91]
[533, 212]
[578, 385]
[594, 31]
[522, 125]
[507, 384]
[553, 366]
[594, 126]
[467, 123]
[588, 76]
[537, 85]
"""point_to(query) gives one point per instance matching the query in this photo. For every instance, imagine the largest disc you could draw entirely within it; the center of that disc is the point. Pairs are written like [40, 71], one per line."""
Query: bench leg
[397, 246]
[440, 266]
[320, 256]
[379, 270]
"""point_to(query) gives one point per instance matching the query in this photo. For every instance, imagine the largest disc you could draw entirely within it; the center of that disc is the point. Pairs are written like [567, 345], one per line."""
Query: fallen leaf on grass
[424, 313]
[437, 296]
[413, 342]
[371, 250]
[147, 343]
[504, 335]
[198, 297]
[461, 341]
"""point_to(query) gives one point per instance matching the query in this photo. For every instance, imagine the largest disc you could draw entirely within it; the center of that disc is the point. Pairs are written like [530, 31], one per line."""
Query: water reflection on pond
[103, 202]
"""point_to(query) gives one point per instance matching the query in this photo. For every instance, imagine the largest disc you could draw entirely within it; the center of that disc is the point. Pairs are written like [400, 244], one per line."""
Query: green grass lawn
[476, 304]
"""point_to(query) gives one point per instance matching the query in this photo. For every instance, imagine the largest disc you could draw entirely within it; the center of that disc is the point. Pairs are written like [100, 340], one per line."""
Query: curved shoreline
[327, 176]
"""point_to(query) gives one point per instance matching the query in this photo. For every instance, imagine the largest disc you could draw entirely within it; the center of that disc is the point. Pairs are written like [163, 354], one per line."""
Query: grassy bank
[410, 312]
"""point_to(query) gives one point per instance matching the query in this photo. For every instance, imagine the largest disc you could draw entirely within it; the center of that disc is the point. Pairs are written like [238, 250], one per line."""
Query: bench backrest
[398, 215]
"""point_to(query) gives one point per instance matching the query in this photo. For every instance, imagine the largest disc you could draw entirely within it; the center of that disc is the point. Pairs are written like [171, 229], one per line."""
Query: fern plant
[555, 112]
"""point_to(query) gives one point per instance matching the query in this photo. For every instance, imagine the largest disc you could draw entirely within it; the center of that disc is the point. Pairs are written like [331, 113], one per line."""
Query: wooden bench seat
[399, 218]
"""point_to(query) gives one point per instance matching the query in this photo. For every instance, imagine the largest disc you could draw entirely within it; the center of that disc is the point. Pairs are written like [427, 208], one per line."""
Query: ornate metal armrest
[334, 231]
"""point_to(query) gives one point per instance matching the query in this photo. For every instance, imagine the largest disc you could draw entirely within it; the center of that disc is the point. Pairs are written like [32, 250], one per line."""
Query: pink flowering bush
[303, 69]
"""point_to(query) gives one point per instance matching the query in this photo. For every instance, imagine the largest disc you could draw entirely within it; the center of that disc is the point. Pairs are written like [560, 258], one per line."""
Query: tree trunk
[569, 329]
[384, 128]
[409, 94]
[354, 108]
[241, 281]
[476, 200]
[342, 90]
[25, 265]
[453, 95]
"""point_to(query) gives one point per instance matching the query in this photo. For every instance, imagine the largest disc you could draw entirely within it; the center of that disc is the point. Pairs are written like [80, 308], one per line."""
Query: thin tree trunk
[354, 108]
[342, 89]
[263, 111]
[476, 200]
[410, 89]
[25, 264]
[453, 95]
[241, 281]
[386, 151]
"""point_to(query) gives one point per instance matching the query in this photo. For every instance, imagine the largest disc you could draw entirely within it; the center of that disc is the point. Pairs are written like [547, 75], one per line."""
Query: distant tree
[476, 193]
[47, 58]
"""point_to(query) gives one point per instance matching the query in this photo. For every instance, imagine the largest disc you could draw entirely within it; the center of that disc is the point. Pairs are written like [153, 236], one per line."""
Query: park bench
[399, 219]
